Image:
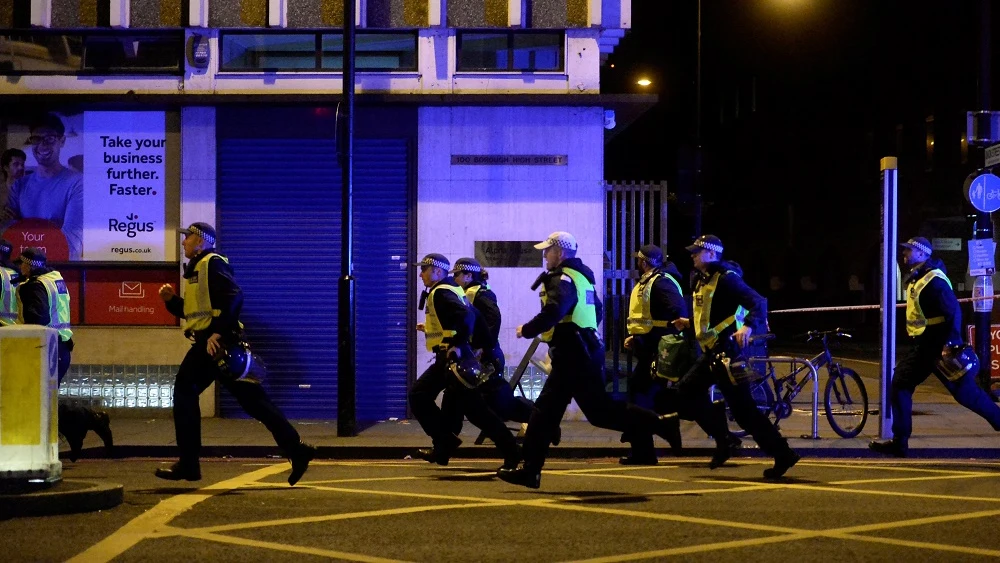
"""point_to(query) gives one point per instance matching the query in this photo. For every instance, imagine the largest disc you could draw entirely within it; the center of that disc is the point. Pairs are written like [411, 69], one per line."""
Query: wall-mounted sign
[509, 159]
[127, 297]
[508, 254]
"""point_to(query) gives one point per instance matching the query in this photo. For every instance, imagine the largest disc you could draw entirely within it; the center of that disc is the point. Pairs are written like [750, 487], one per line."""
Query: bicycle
[845, 399]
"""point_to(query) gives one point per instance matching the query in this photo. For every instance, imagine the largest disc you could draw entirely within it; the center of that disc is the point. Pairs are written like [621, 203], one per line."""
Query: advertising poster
[91, 186]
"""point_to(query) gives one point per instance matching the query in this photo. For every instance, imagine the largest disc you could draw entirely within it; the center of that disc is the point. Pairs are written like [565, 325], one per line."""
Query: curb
[556, 452]
[65, 497]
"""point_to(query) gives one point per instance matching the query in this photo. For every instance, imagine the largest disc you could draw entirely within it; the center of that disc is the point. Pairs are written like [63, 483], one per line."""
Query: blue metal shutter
[384, 278]
[279, 224]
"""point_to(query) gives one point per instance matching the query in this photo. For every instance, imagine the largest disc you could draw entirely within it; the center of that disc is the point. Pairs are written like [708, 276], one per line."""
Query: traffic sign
[984, 192]
[993, 155]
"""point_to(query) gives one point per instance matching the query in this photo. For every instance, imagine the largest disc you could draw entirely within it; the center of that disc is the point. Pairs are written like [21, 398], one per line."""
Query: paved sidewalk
[941, 429]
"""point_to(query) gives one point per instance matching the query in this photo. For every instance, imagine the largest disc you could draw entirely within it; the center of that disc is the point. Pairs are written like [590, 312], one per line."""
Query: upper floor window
[511, 51]
[316, 51]
[57, 52]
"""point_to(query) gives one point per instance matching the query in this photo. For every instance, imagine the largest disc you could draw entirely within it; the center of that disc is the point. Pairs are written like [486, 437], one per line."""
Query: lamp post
[697, 129]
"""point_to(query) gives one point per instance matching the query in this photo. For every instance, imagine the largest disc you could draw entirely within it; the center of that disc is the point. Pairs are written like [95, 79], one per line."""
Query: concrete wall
[458, 205]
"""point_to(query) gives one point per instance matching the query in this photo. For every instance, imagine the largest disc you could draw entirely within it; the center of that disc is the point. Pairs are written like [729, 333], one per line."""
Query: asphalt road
[589, 510]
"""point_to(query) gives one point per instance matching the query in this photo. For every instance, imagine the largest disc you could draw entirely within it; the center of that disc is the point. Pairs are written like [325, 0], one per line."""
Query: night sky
[801, 98]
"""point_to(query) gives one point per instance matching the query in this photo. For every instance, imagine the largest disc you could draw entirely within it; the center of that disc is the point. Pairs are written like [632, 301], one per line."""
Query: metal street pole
[347, 337]
[697, 130]
[983, 229]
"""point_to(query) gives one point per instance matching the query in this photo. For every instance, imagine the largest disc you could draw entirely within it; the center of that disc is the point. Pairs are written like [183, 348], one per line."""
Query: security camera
[609, 119]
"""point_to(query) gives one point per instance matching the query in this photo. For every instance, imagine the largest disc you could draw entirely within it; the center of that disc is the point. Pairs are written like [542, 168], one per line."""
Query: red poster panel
[72, 279]
[127, 297]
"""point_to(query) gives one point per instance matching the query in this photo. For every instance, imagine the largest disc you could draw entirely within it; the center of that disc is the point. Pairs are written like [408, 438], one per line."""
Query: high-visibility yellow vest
[58, 297]
[198, 311]
[707, 336]
[8, 301]
[584, 314]
[640, 316]
[434, 333]
[473, 291]
[916, 322]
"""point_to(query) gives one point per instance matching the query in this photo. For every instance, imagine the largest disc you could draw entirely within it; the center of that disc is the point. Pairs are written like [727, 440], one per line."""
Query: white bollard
[29, 410]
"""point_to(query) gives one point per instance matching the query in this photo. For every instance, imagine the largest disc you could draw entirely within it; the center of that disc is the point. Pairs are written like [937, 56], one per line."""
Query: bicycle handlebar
[757, 339]
[836, 333]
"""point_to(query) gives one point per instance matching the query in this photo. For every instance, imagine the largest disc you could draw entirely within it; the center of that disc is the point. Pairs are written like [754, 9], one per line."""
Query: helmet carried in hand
[239, 363]
[961, 360]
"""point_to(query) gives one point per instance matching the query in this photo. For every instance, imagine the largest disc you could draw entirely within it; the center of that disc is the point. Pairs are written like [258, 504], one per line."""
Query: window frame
[318, 51]
[84, 34]
[510, 34]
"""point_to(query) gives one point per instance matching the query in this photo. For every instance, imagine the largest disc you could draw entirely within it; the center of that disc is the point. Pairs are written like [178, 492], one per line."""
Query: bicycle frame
[822, 357]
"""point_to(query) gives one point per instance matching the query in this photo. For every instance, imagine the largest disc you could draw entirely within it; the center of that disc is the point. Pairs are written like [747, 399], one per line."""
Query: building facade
[479, 128]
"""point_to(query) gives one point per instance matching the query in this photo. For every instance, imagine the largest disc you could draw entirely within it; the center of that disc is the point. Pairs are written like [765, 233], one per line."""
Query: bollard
[29, 395]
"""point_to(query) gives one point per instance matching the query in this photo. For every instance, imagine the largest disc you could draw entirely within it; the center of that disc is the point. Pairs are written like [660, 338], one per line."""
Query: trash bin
[29, 394]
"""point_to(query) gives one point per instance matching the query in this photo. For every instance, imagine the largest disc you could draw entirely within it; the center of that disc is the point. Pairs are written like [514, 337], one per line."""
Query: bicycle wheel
[762, 394]
[846, 402]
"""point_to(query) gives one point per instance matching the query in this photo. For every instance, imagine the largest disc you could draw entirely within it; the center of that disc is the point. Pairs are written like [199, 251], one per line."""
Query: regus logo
[131, 226]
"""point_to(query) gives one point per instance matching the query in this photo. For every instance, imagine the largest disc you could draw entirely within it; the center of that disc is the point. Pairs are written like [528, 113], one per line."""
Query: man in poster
[53, 192]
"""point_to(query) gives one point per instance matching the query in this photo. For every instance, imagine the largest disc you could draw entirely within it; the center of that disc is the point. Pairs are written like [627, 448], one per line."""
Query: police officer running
[447, 327]
[10, 277]
[211, 309]
[656, 301]
[568, 322]
[499, 395]
[42, 299]
[933, 322]
[724, 310]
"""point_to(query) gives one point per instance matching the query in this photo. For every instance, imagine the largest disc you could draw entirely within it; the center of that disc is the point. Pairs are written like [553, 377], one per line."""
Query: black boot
[180, 471]
[782, 463]
[304, 453]
[522, 475]
[893, 447]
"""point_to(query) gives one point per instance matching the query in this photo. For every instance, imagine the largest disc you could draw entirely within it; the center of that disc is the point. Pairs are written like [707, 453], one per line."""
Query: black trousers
[72, 417]
[914, 368]
[196, 373]
[499, 396]
[578, 373]
[662, 397]
[468, 402]
[705, 372]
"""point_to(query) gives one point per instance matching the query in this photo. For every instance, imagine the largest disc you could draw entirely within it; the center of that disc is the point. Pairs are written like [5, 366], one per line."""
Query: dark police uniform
[486, 337]
[721, 304]
[448, 326]
[656, 301]
[43, 299]
[933, 321]
[568, 322]
[212, 305]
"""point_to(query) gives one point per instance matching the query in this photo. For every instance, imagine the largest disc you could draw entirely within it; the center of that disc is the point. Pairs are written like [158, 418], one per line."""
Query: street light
[644, 82]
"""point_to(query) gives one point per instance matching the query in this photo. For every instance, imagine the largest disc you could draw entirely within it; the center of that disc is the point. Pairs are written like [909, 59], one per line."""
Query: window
[38, 52]
[510, 51]
[317, 51]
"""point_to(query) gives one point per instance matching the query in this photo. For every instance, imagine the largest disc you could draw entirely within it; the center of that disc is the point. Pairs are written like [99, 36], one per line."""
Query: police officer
[42, 299]
[656, 301]
[933, 322]
[211, 311]
[9, 279]
[447, 327]
[568, 321]
[725, 311]
[485, 337]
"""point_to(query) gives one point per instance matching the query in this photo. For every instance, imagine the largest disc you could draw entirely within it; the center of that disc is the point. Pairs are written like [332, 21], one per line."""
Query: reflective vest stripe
[584, 313]
[708, 336]
[198, 311]
[916, 322]
[640, 314]
[434, 333]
